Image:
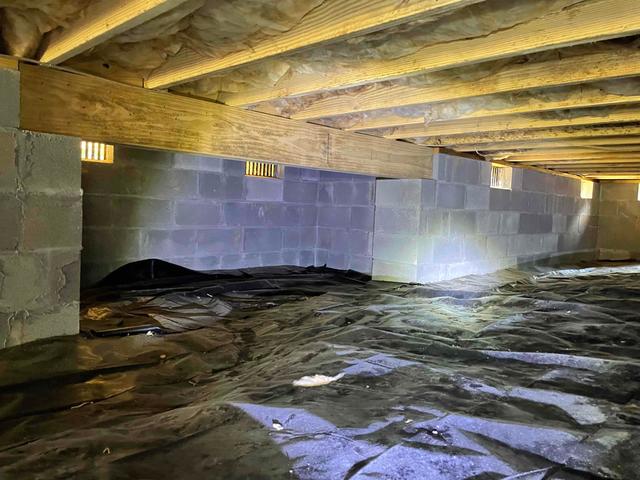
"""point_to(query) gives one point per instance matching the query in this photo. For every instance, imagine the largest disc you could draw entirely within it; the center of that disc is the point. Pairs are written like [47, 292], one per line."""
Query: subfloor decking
[482, 378]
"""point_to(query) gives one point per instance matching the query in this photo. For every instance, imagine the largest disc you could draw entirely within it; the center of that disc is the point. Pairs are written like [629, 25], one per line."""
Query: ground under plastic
[515, 375]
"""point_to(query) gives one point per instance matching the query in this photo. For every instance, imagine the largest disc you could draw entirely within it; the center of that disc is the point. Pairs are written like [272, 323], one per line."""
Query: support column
[40, 227]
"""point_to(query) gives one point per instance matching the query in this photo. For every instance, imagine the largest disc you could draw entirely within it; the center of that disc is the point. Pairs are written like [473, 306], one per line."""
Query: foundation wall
[619, 232]
[456, 225]
[40, 227]
[204, 213]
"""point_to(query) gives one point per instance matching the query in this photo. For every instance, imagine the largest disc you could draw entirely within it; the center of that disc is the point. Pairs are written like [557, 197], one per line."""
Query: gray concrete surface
[455, 225]
[619, 231]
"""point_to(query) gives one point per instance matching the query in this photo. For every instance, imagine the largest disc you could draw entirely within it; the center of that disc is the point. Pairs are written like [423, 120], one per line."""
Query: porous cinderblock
[142, 212]
[447, 250]
[395, 248]
[215, 241]
[51, 222]
[300, 192]
[262, 239]
[263, 189]
[398, 193]
[450, 195]
[397, 220]
[477, 197]
[168, 243]
[334, 217]
[462, 222]
[198, 213]
[8, 163]
[50, 163]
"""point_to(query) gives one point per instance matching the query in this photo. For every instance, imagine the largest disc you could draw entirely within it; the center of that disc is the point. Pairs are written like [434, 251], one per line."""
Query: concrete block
[253, 214]
[290, 257]
[30, 326]
[209, 262]
[325, 236]
[321, 257]
[168, 243]
[531, 202]
[450, 195]
[488, 223]
[308, 215]
[184, 161]
[141, 158]
[234, 167]
[300, 237]
[497, 246]
[500, 199]
[308, 175]
[550, 243]
[474, 248]
[362, 218]
[434, 222]
[217, 241]
[100, 244]
[462, 222]
[198, 213]
[262, 239]
[397, 220]
[232, 261]
[534, 181]
[447, 250]
[307, 258]
[10, 221]
[559, 224]
[524, 245]
[263, 189]
[325, 193]
[509, 222]
[431, 273]
[141, 212]
[516, 179]
[50, 163]
[398, 193]
[360, 264]
[24, 283]
[458, 169]
[360, 242]
[9, 98]
[300, 192]
[534, 223]
[8, 164]
[425, 250]
[339, 240]
[477, 198]
[51, 222]
[220, 187]
[334, 217]
[337, 260]
[458, 270]
[485, 174]
[96, 210]
[339, 176]
[394, 272]
[271, 259]
[363, 193]
[428, 193]
[395, 248]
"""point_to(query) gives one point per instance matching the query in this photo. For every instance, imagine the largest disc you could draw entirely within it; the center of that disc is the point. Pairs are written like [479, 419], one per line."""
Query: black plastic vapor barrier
[321, 374]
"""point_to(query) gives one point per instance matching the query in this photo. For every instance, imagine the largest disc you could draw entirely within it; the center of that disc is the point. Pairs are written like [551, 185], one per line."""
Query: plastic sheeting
[514, 375]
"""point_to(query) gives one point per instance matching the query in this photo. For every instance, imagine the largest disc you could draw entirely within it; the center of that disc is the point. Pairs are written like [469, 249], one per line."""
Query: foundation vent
[500, 176]
[96, 152]
[586, 189]
[263, 169]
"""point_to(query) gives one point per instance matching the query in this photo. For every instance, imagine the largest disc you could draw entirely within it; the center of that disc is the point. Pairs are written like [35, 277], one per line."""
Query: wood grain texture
[101, 21]
[7, 62]
[95, 109]
[596, 142]
[517, 122]
[585, 22]
[543, 156]
[529, 135]
[552, 73]
[331, 21]
[575, 97]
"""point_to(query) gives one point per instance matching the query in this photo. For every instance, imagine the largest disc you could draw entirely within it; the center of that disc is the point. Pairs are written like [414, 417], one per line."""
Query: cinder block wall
[619, 231]
[204, 213]
[40, 224]
[455, 225]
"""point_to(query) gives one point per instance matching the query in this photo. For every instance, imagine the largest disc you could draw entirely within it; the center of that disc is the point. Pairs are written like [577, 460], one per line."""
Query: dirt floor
[521, 375]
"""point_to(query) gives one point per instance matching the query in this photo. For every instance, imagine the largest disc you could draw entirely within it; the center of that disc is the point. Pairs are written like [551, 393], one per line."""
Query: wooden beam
[542, 156]
[632, 176]
[596, 142]
[331, 21]
[586, 67]
[584, 22]
[7, 62]
[531, 135]
[579, 96]
[101, 21]
[586, 163]
[517, 122]
[92, 108]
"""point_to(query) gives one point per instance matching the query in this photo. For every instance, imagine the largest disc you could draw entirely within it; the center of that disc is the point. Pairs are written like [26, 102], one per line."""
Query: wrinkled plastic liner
[520, 375]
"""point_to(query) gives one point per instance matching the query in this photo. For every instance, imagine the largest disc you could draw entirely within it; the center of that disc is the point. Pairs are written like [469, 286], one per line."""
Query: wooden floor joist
[60, 102]
[518, 122]
[534, 156]
[576, 97]
[586, 67]
[332, 21]
[594, 142]
[530, 135]
[585, 22]
[101, 21]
